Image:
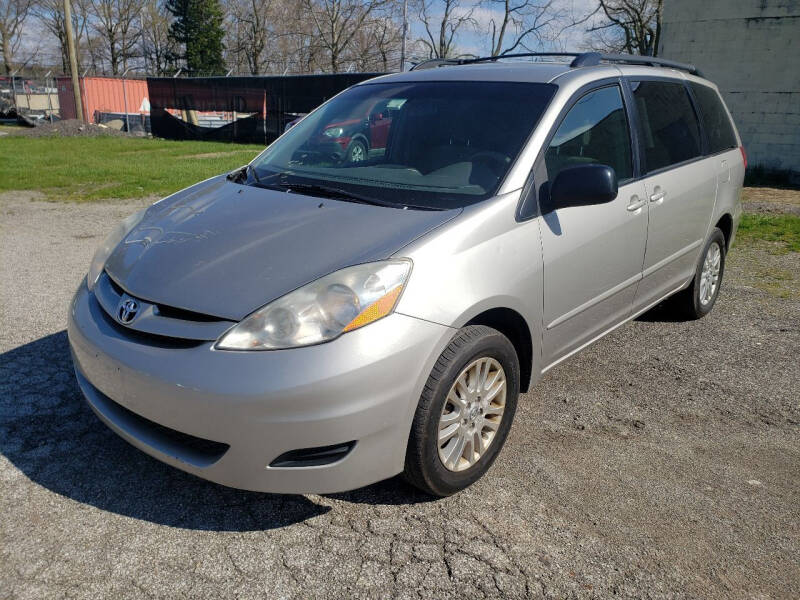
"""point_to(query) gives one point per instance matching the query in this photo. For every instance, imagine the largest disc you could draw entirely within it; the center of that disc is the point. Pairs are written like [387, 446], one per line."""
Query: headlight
[107, 247]
[322, 310]
[334, 132]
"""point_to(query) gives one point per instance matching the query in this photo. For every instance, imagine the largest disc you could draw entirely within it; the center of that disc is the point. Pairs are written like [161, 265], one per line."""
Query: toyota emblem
[127, 309]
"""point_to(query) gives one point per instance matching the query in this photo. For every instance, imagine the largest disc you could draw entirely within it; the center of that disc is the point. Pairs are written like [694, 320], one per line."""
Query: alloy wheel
[471, 414]
[709, 276]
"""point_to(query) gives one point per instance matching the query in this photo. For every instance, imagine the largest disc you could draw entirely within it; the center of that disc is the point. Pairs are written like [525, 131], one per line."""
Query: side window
[669, 130]
[715, 119]
[595, 130]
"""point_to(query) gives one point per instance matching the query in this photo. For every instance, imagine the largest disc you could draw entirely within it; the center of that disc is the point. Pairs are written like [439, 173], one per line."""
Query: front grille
[148, 339]
[164, 310]
[185, 315]
[158, 324]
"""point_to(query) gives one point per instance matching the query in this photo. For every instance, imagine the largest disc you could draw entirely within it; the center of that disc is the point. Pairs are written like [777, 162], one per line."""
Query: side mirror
[583, 185]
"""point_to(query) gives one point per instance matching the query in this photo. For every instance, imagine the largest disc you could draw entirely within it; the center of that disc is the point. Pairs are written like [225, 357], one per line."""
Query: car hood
[225, 249]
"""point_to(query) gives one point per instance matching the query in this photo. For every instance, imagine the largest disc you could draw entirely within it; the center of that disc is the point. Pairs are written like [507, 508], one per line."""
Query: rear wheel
[465, 412]
[696, 301]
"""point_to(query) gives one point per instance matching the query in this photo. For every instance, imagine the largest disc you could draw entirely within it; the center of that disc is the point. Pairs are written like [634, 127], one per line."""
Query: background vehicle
[353, 140]
[311, 324]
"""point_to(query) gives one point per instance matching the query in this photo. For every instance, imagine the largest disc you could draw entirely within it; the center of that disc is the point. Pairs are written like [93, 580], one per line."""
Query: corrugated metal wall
[103, 94]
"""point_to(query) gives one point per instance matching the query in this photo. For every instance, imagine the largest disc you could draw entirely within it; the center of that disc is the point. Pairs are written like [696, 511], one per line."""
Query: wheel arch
[361, 137]
[512, 325]
[725, 224]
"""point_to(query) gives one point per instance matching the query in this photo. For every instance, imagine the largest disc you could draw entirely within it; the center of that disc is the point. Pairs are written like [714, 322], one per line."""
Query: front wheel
[356, 152]
[465, 412]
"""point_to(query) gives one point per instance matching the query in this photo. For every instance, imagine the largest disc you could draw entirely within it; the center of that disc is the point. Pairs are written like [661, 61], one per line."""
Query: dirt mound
[68, 128]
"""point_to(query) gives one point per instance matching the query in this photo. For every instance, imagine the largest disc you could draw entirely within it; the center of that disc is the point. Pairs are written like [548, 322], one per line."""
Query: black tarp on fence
[238, 109]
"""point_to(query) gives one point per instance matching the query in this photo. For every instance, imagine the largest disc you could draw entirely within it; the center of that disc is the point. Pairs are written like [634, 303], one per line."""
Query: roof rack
[432, 63]
[591, 59]
[580, 59]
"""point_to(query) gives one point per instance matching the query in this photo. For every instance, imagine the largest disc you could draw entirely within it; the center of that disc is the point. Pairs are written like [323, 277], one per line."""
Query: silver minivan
[370, 295]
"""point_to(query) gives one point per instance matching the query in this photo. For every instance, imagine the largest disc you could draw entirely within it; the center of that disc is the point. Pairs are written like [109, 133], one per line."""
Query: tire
[424, 466]
[356, 152]
[696, 301]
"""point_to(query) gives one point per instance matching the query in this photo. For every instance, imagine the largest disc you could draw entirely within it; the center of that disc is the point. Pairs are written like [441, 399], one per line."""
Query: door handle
[658, 195]
[636, 203]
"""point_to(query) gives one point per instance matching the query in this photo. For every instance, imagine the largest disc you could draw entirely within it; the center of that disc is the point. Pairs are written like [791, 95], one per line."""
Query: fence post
[125, 101]
[84, 116]
[14, 89]
[49, 102]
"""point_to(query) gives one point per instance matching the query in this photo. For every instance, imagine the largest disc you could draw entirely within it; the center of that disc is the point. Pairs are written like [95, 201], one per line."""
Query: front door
[592, 254]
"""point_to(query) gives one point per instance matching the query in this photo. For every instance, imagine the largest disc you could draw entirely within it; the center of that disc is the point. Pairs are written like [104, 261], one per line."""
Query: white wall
[751, 50]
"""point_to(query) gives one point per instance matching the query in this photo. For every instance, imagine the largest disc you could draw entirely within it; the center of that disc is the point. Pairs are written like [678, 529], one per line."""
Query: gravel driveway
[662, 462]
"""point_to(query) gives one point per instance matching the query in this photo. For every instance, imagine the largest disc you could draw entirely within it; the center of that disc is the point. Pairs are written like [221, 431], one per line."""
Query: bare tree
[337, 22]
[376, 46]
[157, 48]
[13, 14]
[441, 28]
[632, 26]
[50, 13]
[522, 21]
[115, 22]
[250, 32]
[384, 36]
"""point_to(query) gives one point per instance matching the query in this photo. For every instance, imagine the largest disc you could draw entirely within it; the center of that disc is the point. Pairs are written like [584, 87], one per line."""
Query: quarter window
[595, 130]
[715, 119]
[669, 132]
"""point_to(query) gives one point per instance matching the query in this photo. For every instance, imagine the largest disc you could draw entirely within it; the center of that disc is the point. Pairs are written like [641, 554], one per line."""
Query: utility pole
[73, 60]
[405, 33]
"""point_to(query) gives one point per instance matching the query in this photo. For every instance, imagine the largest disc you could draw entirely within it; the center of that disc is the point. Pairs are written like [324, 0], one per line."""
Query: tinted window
[595, 130]
[429, 144]
[715, 119]
[669, 130]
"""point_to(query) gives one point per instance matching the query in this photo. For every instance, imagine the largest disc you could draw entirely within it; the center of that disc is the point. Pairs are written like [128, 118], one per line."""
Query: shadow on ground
[49, 433]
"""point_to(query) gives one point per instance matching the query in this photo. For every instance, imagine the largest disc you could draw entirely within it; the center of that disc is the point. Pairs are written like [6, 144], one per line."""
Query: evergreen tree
[197, 29]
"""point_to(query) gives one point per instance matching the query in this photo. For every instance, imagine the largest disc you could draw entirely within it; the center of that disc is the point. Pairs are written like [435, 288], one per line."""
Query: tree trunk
[6, 52]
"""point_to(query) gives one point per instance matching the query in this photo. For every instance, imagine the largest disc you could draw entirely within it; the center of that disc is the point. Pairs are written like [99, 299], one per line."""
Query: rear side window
[595, 130]
[715, 119]
[670, 133]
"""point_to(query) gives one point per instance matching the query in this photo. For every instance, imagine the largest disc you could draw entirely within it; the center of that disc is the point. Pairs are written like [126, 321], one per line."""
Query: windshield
[432, 145]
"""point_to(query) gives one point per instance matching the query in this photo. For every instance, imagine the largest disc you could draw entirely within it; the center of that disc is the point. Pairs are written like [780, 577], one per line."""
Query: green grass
[85, 168]
[781, 232]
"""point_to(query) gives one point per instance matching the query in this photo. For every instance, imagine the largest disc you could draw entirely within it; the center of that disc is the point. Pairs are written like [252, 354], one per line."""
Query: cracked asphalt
[663, 462]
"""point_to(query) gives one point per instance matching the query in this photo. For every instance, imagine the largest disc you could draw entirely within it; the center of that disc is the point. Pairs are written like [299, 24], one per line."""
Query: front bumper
[362, 387]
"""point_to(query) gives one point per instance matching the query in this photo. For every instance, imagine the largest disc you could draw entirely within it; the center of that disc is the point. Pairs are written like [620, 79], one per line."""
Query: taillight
[744, 156]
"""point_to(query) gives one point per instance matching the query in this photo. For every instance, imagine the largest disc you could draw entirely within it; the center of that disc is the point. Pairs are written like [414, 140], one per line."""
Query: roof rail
[443, 62]
[432, 63]
[584, 59]
[517, 55]
[591, 59]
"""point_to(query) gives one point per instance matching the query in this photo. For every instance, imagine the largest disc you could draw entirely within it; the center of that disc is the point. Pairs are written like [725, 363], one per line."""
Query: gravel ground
[662, 462]
[771, 200]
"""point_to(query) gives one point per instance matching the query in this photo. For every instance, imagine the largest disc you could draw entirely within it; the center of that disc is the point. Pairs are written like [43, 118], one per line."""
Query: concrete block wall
[751, 50]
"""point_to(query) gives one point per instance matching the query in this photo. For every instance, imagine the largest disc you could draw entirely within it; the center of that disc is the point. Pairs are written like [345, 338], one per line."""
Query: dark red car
[352, 140]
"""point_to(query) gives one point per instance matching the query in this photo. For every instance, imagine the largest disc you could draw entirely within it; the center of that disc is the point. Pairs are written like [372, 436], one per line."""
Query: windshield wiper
[325, 191]
[240, 175]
